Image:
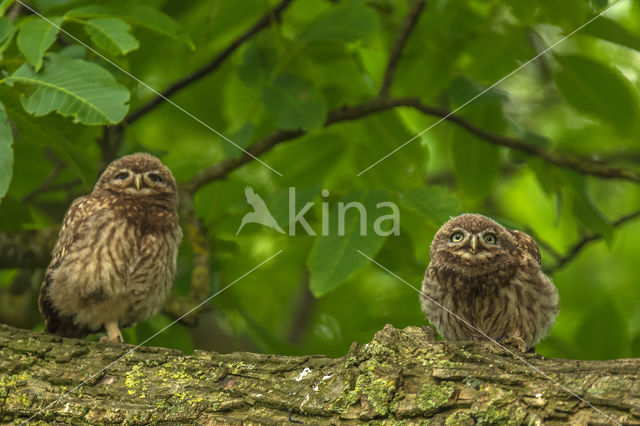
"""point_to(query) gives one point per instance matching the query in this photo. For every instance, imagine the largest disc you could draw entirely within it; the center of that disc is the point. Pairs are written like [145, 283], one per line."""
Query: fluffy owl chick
[115, 257]
[489, 276]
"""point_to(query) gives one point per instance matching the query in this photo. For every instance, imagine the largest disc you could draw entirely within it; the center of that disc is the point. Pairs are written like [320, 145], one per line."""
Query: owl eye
[456, 237]
[490, 238]
[122, 176]
[155, 178]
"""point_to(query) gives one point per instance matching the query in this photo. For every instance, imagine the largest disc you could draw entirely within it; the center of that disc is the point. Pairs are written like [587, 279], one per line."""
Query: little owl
[115, 257]
[490, 278]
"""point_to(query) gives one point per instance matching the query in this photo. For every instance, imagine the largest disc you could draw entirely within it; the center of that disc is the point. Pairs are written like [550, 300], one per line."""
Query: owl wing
[527, 244]
[77, 213]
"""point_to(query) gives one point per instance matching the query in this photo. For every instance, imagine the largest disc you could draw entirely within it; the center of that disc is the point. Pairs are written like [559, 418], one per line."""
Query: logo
[260, 213]
[263, 216]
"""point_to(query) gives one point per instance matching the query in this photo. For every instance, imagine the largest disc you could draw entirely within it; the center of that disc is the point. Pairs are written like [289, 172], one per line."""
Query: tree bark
[401, 375]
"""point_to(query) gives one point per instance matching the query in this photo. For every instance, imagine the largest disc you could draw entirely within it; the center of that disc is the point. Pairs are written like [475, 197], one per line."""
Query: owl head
[138, 175]
[472, 245]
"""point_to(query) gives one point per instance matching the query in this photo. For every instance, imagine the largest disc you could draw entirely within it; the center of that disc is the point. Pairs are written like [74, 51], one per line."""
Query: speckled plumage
[115, 257]
[498, 287]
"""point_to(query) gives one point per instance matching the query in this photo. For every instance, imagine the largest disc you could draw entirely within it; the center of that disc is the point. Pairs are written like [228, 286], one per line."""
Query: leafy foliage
[67, 107]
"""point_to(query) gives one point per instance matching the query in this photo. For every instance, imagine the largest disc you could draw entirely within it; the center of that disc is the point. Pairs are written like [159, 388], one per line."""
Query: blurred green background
[67, 111]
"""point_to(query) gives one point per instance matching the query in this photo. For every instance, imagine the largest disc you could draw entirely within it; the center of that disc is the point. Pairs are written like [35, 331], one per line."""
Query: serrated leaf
[6, 33]
[596, 89]
[296, 102]
[6, 152]
[112, 35]
[348, 21]
[136, 14]
[36, 36]
[333, 258]
[74, 88]
[53, 131]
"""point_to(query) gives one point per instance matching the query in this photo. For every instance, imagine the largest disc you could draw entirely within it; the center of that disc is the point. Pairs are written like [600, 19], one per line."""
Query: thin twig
[408, 25]
[577, 248]
[266, 20]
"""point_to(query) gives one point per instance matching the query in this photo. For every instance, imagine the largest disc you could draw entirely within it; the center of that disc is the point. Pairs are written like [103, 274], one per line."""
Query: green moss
[431, 396]
[472, 382]
[344, 401]
[378, 390]
[133, 380]
[494, 416]
[217, 398]
[458, 418]
[239, 367]
[605, 385]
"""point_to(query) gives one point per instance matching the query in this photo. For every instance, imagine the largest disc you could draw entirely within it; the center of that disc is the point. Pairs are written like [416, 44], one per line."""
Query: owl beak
[138, 180]
[474, 244]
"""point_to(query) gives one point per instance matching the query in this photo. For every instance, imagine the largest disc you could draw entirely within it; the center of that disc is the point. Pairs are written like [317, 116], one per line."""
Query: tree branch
[346, 113]
[408, 25]
[577, 248]
[269, 17]
[402, 376]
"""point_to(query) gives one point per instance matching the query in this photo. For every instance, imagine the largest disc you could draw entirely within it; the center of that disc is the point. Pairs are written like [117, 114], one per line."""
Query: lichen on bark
[401, 376]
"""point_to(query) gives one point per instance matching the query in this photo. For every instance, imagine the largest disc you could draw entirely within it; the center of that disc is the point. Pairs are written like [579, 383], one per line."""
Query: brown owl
[489, 276]
[115, 257]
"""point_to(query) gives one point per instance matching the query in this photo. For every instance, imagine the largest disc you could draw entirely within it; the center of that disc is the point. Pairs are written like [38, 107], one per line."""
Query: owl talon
[113, 333]
[515, 341]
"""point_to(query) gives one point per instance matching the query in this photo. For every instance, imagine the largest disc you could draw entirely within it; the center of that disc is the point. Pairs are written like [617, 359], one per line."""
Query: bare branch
[408, 25]
[577, 248]
[584, 166]
[269, 17]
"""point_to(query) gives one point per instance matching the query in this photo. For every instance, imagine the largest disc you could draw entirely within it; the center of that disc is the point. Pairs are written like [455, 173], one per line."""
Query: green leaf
[296, 102]
[585, 210]
[348, 21]
[75, 88]
[4, 5]
[6, 152]
[477, 165]
[423, 211]
[308, 170]
[436, 204]
[599, 90]
[6, 33]
[374, 138]
[608, 29]
[66, 139]
[136, 14]
[333, 257]
[112, 35]
[36, 36]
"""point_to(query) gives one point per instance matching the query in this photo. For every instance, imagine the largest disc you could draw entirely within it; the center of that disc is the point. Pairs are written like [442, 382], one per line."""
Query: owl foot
[113, 333]
[514, 341]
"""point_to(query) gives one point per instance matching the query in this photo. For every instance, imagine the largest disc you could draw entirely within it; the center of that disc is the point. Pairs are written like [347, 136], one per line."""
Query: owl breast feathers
[115, 257]
[490, 278]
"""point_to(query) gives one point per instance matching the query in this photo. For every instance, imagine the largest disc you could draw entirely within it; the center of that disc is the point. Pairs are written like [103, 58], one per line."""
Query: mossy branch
[401, 375]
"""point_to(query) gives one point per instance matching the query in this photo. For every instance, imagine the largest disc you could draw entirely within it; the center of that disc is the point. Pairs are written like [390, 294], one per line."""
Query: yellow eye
[456, 237]
[490, 238]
